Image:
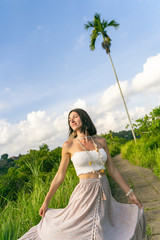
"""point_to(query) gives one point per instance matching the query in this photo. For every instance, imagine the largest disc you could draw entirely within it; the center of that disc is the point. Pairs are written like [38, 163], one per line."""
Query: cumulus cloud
[149, 79]
[141, 94]
[8, 132]
[37, 129]
[80, 103]
[111, 96]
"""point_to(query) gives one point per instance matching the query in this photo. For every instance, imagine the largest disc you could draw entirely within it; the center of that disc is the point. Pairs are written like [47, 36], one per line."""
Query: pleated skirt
[91, 214]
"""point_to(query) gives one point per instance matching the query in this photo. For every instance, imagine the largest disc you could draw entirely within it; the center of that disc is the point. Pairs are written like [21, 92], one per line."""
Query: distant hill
[6, 163]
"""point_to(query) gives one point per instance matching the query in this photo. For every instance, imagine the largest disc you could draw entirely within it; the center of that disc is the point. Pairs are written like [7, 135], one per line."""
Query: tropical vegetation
[24, 186]
[146, 152]
[26, 179]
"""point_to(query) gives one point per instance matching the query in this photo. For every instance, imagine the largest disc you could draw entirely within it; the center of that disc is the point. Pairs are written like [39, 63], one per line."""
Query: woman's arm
[58, 179]
[116, 175]
[114, 172]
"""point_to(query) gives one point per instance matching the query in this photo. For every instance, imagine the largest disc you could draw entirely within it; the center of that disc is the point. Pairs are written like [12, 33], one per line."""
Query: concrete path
[147, 187]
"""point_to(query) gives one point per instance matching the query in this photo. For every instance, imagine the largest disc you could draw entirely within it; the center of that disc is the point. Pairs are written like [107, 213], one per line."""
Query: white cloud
[141, 94]
[8, 132]
[37, 129]
[111, 97]
[149, 79]
[80, 103]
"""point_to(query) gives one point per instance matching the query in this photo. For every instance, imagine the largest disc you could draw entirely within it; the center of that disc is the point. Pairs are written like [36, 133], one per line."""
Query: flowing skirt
[91, 214]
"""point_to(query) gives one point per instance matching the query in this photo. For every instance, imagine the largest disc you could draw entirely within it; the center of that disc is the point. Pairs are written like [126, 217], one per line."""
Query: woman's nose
[72, 121]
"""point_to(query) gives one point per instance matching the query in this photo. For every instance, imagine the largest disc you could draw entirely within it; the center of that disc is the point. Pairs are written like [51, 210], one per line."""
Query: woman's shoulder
[68, 144]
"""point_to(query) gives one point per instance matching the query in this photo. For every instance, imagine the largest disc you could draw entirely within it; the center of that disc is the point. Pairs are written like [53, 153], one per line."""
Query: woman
[92, 213]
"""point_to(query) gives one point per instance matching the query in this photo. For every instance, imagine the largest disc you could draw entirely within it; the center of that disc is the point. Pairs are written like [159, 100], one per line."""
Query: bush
[114, 143]
[144, 153]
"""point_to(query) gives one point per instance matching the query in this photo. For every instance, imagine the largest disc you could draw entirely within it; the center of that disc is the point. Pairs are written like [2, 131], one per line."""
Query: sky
[47, 68]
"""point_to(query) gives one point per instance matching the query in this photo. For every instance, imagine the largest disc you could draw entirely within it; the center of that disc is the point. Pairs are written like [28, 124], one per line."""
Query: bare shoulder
[67, 145]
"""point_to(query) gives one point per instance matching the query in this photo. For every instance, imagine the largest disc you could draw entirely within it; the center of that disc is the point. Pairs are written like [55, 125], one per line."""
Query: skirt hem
[32, 234]
[140, 229]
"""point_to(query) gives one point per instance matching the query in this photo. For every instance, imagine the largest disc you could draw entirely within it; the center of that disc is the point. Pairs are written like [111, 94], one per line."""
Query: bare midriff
[91, 175]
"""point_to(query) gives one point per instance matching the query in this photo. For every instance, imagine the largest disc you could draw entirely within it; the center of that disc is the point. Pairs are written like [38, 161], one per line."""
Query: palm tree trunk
[122, 97]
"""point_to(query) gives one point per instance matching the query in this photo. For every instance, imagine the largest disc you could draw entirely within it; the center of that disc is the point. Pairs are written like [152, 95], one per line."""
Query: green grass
[19, 216]
[149, 232]
[145, 153]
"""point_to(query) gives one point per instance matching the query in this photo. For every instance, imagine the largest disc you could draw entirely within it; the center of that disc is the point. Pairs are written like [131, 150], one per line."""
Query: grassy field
[145, 153]
[18, 216]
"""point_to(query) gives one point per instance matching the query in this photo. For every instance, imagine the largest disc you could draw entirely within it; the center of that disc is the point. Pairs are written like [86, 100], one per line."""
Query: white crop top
[81, 161]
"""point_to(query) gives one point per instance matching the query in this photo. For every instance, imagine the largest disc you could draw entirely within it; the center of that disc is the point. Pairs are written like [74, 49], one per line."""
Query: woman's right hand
[43, 209]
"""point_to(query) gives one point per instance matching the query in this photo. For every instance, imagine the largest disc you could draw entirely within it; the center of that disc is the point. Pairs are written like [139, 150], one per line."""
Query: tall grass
[114, 144]
[19, 216]
[145, 153]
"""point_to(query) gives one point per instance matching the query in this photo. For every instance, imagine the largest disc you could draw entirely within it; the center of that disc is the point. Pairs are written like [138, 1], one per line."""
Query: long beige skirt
[91, 214]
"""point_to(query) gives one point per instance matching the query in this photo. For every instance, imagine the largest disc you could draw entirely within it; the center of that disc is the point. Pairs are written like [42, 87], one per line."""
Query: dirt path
[147, 187]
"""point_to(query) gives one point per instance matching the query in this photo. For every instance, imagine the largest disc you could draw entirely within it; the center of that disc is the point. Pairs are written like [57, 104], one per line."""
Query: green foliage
[146, 152]
[34, 163]
[149, 125]
[123, 134]
[4, 156]
[143, 153]
[20, 215]
[24, 187]
[149, 231]
[10, 184]
[114, 143]
[100, 27]
[6, 163]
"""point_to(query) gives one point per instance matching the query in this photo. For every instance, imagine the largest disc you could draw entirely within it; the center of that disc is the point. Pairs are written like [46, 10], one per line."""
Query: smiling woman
[92, 213]
[78, 119]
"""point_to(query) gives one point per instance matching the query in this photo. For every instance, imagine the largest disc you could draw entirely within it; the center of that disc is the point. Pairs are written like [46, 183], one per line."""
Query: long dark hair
[86, 122]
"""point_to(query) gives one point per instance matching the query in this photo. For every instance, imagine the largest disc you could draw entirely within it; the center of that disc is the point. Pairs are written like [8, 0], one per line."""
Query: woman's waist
[89, 169]
[94, 174]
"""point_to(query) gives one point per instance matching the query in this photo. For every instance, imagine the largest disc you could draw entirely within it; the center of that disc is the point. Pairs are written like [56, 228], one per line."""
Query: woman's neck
[83, 137]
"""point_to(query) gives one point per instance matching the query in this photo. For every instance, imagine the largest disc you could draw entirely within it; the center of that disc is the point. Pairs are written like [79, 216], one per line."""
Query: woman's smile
[74, 120]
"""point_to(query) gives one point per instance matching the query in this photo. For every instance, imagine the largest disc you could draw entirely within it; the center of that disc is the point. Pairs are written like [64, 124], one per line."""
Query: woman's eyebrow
[72, 116]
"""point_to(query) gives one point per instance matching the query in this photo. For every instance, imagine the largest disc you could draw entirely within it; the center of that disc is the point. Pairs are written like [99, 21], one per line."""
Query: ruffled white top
[81, 161]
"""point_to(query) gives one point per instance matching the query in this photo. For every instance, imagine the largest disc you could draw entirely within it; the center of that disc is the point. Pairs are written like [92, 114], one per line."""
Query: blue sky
[46, 67]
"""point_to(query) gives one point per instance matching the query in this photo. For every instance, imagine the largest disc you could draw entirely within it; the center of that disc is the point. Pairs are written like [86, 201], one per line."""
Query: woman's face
[75, 121]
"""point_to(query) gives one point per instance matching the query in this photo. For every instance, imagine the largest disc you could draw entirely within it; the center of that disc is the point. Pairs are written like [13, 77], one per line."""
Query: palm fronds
[113, 23]
[99, 27]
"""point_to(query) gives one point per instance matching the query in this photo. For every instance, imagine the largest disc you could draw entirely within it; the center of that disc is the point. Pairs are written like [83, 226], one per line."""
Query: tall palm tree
[100, 28]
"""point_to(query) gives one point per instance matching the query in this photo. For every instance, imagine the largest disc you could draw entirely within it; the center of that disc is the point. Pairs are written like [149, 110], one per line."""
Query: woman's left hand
[132, 197]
